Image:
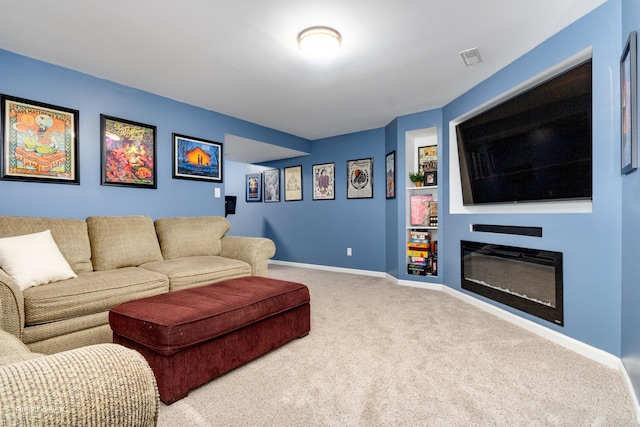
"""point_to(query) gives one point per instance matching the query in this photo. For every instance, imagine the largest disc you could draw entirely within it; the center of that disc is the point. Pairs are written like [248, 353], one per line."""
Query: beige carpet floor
[380, 354]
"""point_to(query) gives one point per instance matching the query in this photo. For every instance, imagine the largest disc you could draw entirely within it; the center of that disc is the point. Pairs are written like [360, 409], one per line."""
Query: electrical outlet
[348, 251]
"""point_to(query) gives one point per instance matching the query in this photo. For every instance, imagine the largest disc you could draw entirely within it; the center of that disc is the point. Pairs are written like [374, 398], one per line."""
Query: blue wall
[631, 237]
[590, 242]
[26, 78]
[320, 231]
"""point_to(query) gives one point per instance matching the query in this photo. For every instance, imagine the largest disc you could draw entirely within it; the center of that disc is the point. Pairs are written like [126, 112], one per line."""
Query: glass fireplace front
[529, 280]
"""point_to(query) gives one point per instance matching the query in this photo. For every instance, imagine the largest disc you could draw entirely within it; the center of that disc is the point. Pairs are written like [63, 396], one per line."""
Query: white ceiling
[240, 57]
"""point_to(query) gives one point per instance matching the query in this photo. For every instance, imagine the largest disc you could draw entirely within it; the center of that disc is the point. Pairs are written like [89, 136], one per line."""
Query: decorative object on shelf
[292, 183]
[360, 178]
[40, 142]
[431, 178]
[128, 153]
[628, 100]
[417, 178]
[428, 158]
[390, 175]
[253, 187]
[324, 181]
[421, 207]
[271, 180]
[195, 158]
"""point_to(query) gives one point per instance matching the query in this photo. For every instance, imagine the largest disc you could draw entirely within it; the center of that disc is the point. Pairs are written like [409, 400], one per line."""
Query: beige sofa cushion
[191, 236]
[122, 241]
[70, 235]
[189, 272]
[90, 293]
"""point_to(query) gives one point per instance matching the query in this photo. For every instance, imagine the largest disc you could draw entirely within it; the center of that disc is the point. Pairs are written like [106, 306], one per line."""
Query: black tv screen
[535, 146]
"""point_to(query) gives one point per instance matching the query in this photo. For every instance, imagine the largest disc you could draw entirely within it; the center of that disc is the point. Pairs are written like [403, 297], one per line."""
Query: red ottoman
[192, 336]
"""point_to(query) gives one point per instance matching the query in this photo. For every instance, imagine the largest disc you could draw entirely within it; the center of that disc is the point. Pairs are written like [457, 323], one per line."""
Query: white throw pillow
[33, 259]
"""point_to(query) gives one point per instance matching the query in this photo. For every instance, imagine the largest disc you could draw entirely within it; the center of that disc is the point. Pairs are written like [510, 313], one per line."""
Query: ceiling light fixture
[319, 41]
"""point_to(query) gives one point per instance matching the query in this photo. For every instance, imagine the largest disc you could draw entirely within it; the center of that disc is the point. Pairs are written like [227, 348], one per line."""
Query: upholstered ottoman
[192, 336]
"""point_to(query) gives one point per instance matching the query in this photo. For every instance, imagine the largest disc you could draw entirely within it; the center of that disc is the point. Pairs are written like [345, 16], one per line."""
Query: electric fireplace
[527, 279]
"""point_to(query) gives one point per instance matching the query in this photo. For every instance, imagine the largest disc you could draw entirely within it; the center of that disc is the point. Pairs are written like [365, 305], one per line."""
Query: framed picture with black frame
[324, 181]
[390, 175]
[629, 105]
[271, 184]
[196, 158]
[253, 183]
[128, 153]
[39, 142]
[293, 183]
[360, 178]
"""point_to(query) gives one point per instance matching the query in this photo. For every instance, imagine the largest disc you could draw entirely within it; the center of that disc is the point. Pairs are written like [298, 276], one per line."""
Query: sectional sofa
[83, 268]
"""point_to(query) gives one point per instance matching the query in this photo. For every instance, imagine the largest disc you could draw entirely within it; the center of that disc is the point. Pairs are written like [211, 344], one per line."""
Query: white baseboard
[329, 268]
[604, 358]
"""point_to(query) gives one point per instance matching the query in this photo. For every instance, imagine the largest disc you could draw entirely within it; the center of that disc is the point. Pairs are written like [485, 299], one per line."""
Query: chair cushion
[90, 293]
[191, 236]
[122, 241]
[194, 271]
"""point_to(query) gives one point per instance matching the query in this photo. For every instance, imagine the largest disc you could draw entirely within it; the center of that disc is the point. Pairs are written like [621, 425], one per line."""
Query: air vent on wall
[471, 56]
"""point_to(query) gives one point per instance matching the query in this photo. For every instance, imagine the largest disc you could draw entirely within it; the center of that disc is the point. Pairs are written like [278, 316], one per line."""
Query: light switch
[217, 192]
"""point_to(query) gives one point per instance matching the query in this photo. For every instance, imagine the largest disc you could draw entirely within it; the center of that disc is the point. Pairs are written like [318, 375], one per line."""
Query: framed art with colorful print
[128, 153]
[39, 142]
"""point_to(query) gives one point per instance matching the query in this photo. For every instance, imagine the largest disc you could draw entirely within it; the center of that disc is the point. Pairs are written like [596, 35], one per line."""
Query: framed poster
[390, 175]
[128, 153]
[253, 187]
[428, 158]
[271, 180]
[292, 183]
[195, 158]
[324, 181]
[628, 105]
[360, 178]
[39, 142]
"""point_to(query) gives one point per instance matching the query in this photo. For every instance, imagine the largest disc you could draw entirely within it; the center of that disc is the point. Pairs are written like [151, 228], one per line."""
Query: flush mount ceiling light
[319, 41]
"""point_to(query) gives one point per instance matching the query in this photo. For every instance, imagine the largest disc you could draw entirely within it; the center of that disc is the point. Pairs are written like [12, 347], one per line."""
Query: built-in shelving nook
[421, 202]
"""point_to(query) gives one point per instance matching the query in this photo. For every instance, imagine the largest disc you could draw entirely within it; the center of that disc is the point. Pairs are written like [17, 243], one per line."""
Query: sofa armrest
[104, 384]
[12, 314]
[254, 250]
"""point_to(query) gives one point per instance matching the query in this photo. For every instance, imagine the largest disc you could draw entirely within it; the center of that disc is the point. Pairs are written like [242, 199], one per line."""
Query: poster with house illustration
[196, 158]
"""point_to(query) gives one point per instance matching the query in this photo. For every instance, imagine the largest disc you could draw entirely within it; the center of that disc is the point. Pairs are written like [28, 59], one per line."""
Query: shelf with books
[421, 237]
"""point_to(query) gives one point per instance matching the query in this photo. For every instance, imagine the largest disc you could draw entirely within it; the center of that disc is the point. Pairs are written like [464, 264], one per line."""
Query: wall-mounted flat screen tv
[533, 147]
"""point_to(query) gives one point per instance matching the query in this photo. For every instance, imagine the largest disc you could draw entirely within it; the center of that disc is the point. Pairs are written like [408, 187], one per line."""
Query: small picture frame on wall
[271, 182]
[390, 175]
[324, 181]
[292, 183]
[431, 178]
[128, 153]
[360, 179]
[39, 142]
[253, 187]
[196, 158]
[628, 105]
